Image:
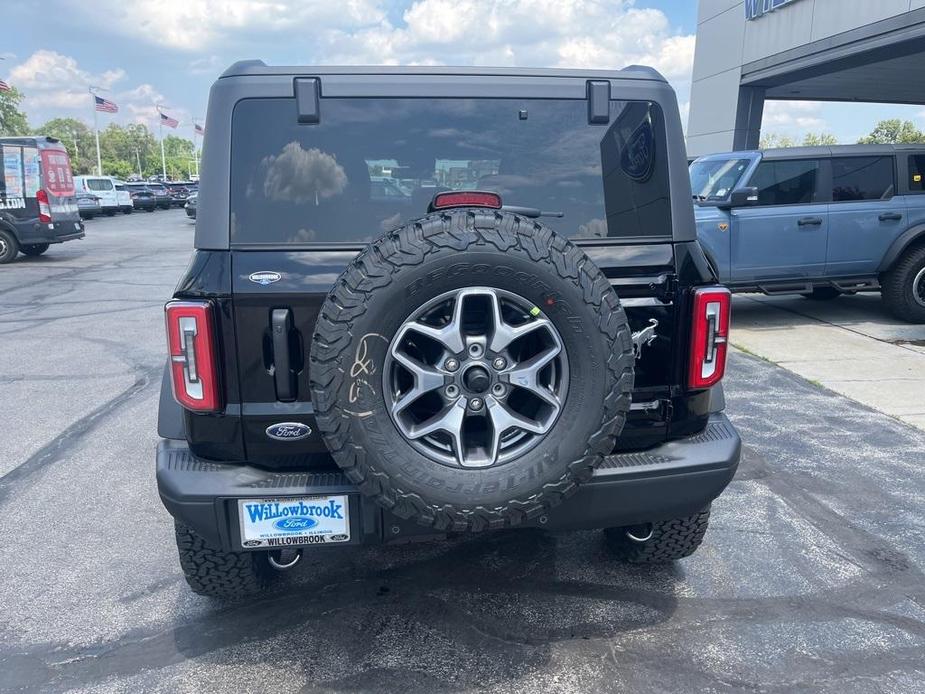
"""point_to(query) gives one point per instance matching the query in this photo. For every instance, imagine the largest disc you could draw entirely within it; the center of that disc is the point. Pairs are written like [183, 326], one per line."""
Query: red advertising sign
[56, 172]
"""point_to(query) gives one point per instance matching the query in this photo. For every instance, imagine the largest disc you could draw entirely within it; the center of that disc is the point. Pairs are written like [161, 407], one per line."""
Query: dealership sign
[758, 8]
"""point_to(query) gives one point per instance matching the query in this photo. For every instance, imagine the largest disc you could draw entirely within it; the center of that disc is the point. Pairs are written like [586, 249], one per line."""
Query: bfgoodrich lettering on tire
[471, 369]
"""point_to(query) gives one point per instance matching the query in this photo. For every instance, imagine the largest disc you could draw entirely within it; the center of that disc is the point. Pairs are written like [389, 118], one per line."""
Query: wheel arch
[909, 238]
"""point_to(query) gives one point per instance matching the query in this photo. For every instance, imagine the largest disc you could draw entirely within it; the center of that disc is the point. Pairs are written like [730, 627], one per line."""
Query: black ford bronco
[427, 301]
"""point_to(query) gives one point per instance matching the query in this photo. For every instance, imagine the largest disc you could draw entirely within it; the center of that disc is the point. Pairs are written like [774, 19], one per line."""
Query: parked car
[142, 198]
[345, 369]
[125, 198]
[38, 206]
[161, 195]
[103, 187]
[820, 221]
[88, 205]
[178, 194]
[191, 205]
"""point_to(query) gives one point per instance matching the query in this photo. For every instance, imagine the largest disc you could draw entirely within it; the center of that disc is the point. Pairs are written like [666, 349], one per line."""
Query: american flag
[199, 129]
[104, 105]
[168, 121]
[4, 87]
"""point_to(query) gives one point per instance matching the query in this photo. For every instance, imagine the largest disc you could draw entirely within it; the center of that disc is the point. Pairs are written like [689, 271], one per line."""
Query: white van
[103, 187]
[124, 197]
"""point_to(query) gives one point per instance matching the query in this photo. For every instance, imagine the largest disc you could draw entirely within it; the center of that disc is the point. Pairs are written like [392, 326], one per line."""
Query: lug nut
[476, 404]
[451, 391]
[499, 363]
[451, 365]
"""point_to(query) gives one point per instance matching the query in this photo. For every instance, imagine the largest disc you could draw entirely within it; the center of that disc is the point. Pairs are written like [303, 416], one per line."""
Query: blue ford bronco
[432, 301]
[819, 221]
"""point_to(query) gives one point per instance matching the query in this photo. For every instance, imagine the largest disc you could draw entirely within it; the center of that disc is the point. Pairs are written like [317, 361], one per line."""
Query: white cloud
[538, 33]
[51, 80]
[791, 117]
[54, 86]
[198, 24]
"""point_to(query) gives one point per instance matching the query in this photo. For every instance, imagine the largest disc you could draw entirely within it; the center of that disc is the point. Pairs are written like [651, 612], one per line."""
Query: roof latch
[598, 101]
[308, 99]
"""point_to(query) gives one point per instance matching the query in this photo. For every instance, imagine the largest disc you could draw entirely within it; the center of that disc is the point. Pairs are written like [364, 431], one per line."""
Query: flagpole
[96, 130]
[160, 126]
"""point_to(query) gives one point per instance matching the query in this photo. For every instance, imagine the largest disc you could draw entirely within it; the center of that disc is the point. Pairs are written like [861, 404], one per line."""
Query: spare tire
[470, 369]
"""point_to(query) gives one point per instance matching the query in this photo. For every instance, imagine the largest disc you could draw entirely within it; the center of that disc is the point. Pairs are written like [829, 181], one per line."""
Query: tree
[894, 132]
[77, 139]
[774, 140]
[12, 120]
[819, 140]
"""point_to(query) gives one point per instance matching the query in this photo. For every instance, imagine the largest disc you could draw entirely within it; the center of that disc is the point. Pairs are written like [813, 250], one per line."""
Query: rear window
[99, 184]
[862, 178]
[371, 165]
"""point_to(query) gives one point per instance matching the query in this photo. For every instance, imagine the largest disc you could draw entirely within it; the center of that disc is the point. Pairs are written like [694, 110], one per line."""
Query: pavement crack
[61, 444]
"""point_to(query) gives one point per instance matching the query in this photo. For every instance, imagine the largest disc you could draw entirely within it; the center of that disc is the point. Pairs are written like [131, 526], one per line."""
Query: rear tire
[216, 573]
[659, 542]
[34, 249]
[903, 287]
[822, 294]
[9, 247]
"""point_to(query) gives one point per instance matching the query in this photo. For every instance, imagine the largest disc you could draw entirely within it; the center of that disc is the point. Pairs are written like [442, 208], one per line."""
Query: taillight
[192, 349]
[465, 198]
[44, 207]
[709, 337]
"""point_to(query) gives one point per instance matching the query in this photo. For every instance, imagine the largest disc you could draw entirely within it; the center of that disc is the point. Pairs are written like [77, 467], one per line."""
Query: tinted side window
[862, 178]
[786, 182]
[917, 173]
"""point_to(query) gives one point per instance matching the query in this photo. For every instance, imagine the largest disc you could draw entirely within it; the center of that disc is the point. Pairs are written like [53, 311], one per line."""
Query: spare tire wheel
[470, 369]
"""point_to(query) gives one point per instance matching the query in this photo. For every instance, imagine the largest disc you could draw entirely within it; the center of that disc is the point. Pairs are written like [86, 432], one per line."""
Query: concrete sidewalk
[850, 345]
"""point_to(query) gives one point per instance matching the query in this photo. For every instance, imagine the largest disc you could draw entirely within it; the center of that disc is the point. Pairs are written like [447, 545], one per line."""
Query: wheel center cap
[477, 379]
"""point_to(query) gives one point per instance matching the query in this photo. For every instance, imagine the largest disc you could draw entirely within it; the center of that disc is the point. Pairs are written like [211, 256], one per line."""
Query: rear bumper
[673, 480]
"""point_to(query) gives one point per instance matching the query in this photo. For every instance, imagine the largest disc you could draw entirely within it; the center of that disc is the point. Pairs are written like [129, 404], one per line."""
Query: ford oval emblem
[294, 524]
[265, 277]
[288, 431]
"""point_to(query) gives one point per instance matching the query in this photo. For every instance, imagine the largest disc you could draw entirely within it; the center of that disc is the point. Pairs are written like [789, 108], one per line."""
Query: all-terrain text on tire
[392, 333]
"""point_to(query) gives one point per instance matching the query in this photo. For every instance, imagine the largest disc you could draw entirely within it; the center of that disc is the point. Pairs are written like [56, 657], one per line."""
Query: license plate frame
[294, 521]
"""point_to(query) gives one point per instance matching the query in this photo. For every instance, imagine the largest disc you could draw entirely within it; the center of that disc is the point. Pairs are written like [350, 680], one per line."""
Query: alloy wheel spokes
[468, 386]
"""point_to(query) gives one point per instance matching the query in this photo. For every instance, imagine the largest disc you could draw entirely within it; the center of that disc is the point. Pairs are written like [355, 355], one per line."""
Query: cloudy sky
[143, 52]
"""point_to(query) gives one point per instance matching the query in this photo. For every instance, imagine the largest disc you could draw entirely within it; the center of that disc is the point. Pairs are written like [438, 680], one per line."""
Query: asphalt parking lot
[811, 577]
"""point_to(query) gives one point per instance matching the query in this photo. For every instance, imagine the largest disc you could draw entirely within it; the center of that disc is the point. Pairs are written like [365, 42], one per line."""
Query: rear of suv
[821, 221]
[38, 206]
[522, 332]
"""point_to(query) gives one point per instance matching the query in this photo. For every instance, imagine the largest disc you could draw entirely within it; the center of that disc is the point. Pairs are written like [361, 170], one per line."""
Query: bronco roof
[826, 151]
[250, 68]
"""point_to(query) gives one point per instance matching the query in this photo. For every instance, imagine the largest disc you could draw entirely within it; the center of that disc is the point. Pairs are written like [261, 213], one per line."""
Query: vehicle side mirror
[743, 197]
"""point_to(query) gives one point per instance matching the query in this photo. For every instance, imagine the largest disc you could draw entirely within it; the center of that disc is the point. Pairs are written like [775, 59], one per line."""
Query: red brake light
[709, 337]
[466, 198]
[44, 208]
[192, 349]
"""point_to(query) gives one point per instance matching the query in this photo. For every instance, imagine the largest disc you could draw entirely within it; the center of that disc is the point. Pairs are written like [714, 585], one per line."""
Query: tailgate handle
[281, 327]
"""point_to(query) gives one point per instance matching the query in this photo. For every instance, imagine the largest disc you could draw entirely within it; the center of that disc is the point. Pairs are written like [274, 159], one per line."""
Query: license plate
[294, 521]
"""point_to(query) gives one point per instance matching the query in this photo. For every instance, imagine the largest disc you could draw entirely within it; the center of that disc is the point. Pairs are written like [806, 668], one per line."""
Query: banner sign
[754, 9]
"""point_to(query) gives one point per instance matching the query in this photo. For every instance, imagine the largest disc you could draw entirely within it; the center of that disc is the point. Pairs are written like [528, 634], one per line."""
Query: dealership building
[813, 50]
